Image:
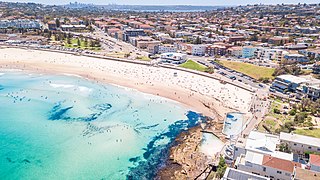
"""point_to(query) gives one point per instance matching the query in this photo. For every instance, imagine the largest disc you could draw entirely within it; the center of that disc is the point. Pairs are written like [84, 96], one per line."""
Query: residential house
[266, 165]
[296, 58]
[314, 161]
[305, 174]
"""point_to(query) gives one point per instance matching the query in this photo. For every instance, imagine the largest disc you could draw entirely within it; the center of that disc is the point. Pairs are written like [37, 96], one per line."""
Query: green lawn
[74, 44]
[143, 58]
[251, 70]
[273, 120]
[193, 65]
[308, 132]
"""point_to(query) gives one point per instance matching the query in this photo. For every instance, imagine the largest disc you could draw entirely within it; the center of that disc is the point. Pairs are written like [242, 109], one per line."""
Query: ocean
[67, 127]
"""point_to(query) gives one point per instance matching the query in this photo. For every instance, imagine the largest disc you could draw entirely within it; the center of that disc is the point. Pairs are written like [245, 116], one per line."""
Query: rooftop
[314, 159]
[304, 174]
[300, 139]
[235, 174]
[293, 79]
[262, 142]
[280, 164]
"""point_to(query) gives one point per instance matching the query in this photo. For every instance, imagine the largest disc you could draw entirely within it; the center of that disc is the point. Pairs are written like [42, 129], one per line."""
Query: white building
[166, 48]
[299, 143]
[196, 49]
[266, 54]
[257, 142]
[174, 58]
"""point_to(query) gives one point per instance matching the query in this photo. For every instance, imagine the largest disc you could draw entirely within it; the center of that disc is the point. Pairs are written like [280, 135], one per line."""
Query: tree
[68, 40]
[57, 22]
[300, 117]
[210, 70]
[305, 103]
[91, 43]
[85, 42]
[254, 38]
[276, 111]
[222, 166]
[287, 127]
[78, 42]
[198, 40]
[284, 148]
[292, 112]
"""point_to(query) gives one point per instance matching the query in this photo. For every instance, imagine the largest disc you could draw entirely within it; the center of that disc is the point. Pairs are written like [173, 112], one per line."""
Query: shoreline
[120, 84]
[204, 95]
[45, 62]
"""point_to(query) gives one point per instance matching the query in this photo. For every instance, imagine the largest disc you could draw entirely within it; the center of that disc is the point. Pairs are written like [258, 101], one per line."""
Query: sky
[171, 2]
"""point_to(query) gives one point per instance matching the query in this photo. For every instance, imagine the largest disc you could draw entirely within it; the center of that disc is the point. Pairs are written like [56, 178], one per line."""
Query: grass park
[190, 64]
[254, 71]
[308, 132]
[82, 44]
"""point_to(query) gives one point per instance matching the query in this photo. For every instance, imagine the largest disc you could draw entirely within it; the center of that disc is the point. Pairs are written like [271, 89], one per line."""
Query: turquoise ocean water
[66, 127]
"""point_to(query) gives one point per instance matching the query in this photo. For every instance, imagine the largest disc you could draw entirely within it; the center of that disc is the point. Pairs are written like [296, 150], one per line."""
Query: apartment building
[311, 89]
[248, 51]
[196, 49]
[284, 83]
[165, 48]
[128, 33]
[214, 50]
[235, 52]
[266, 54]
[300, 144]
[20, 24]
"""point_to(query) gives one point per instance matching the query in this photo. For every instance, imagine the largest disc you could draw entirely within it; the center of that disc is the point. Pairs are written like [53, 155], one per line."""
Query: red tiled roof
[280, 164]
[314, 159]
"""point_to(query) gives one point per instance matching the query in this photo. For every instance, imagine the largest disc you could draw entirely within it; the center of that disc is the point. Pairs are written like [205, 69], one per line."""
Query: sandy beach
[201, 94]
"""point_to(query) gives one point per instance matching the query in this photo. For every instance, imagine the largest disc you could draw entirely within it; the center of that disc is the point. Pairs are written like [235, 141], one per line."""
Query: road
[239, 77]
[110, 45]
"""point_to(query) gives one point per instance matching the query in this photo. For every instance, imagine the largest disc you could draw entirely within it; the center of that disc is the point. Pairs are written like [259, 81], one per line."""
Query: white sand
[189, 89]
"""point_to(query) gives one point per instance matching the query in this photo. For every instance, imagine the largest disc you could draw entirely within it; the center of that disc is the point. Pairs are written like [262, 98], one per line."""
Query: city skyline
[168, 2]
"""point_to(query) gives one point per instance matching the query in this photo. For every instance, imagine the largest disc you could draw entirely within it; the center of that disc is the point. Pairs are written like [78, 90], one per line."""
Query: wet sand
[201, 94]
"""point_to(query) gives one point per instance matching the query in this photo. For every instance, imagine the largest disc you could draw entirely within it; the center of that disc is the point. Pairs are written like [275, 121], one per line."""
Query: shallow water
[233, 124]
[211, 145]
[65, 127]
